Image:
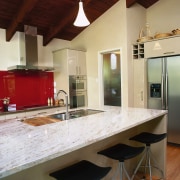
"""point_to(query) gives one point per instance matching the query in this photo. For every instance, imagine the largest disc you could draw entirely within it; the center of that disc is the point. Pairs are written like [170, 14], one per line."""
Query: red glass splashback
[26, 88]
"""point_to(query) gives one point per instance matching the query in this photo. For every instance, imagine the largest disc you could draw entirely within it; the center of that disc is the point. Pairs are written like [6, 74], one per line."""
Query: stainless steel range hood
[29, 52]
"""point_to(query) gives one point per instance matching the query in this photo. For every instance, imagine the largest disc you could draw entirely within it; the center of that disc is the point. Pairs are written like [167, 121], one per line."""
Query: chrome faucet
[66, 99]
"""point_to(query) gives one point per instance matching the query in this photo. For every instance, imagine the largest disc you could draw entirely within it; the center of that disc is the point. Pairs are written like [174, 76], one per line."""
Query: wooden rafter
[24, 9]
[53, 24]
[129, 3]
[144, 3]
[55, 30]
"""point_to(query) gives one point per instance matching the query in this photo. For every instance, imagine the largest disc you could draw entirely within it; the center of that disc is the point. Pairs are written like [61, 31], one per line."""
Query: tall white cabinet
[139, 76]
[67, 62]
[76, 62]
[140, 83]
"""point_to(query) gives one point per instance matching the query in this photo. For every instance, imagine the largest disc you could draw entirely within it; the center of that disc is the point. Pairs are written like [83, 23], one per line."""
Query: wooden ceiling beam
[53, 31]
[144, 3]
[129, 3]
[24, 9]
[147, 3]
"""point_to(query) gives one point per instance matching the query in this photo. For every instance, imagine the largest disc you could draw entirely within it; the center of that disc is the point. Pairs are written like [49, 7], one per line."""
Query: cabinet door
[76, 62]
[162, 47]
[81, 64]
[140, 83]
[61, 76]
[60, 61]
[72, 62]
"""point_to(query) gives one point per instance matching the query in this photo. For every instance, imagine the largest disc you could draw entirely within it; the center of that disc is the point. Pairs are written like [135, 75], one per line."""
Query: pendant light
[81, 19]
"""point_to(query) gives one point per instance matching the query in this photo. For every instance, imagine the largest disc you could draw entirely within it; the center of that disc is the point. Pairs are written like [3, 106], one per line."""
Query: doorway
[111, 78]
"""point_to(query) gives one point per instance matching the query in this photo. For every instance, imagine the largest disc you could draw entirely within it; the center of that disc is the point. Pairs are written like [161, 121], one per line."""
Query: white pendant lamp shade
[81, 19]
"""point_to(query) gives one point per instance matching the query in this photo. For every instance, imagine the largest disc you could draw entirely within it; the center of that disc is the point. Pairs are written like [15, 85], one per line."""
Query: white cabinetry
[162, 47]
[76, 62]
[140, 83]
[67, 62]
[61, 75]
[138, 50]
[139, 76]
[70, 61]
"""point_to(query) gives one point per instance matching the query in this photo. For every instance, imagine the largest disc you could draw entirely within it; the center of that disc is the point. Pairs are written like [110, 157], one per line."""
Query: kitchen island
[29, 152]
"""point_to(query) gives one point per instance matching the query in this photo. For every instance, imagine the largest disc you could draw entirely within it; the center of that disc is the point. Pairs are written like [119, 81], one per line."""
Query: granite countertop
[23, 146]
[26, 109]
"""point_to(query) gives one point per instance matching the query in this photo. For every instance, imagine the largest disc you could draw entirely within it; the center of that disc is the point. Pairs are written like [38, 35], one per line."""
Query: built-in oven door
[78, 99]
[77, 83]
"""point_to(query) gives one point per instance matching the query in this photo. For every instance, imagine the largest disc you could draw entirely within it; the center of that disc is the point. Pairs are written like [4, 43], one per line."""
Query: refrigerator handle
[166, 91]
[162, 91]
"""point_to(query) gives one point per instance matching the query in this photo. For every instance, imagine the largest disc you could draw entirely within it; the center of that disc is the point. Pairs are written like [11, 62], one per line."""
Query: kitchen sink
[75, 114]
[38, 121]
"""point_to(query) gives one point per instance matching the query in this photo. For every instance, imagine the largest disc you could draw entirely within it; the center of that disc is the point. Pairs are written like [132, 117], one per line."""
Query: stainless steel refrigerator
[164, 91]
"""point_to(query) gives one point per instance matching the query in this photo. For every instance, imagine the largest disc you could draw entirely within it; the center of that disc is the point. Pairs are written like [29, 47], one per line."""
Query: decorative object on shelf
[48, 101]
[176, 32]
[145, 35]
[61, 102]
[81, 19]
[6, 101]
[162, 35]
[51, 101]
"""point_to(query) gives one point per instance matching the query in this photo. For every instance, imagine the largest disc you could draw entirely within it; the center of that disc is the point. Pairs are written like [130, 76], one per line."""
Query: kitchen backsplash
[26, 88]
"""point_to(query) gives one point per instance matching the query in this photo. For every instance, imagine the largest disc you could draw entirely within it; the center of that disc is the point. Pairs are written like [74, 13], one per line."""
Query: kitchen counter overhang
[23, 146]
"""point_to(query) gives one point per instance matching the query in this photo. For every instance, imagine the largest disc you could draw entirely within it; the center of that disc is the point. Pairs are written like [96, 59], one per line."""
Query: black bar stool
[121, 152]
[83, 170]
[150, 162]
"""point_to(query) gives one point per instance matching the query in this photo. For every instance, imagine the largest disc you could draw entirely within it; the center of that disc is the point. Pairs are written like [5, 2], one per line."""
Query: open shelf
[138, 51]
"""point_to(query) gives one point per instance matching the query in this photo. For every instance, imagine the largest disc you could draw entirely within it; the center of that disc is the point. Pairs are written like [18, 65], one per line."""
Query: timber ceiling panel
[53, 18]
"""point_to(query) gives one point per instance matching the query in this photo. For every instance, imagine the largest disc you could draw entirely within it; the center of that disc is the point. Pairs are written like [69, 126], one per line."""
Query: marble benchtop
[23, 146]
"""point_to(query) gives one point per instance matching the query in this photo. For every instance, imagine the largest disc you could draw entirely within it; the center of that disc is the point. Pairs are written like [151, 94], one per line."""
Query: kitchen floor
[173, 162]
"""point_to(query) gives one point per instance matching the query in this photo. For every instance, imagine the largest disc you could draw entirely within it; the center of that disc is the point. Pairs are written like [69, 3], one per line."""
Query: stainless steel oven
[78, 83]
[78, 91]
[78, 99]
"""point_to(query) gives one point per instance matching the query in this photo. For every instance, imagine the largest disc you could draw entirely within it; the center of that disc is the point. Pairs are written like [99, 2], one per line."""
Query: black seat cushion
[83, 170]
[148, 138]
[121, 152]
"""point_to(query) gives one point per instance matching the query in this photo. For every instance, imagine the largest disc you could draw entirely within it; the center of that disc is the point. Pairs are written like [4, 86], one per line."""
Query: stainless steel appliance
[29, 52]
[78, 99]
[78, 83]
[164, 91]
[78, 91]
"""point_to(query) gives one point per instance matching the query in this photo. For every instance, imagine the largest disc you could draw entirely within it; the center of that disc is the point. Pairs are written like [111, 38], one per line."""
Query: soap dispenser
[48, 101]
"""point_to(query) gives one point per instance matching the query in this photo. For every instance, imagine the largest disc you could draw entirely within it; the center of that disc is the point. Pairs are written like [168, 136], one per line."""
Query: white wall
[10, 52]
[107, 32]
[45, 52]
[164, 16]
[111, 31]
[136, 19]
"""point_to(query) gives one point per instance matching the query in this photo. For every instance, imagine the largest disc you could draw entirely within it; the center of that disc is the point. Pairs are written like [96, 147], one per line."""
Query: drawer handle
[141, 95]
[169, 53]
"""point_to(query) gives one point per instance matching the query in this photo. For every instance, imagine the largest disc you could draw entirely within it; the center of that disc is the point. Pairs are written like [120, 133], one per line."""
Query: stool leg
[115, 176]
[155, 164]
[148, 156]
[139, 164]
[121, 170]
[149, 162]
[123, 167]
